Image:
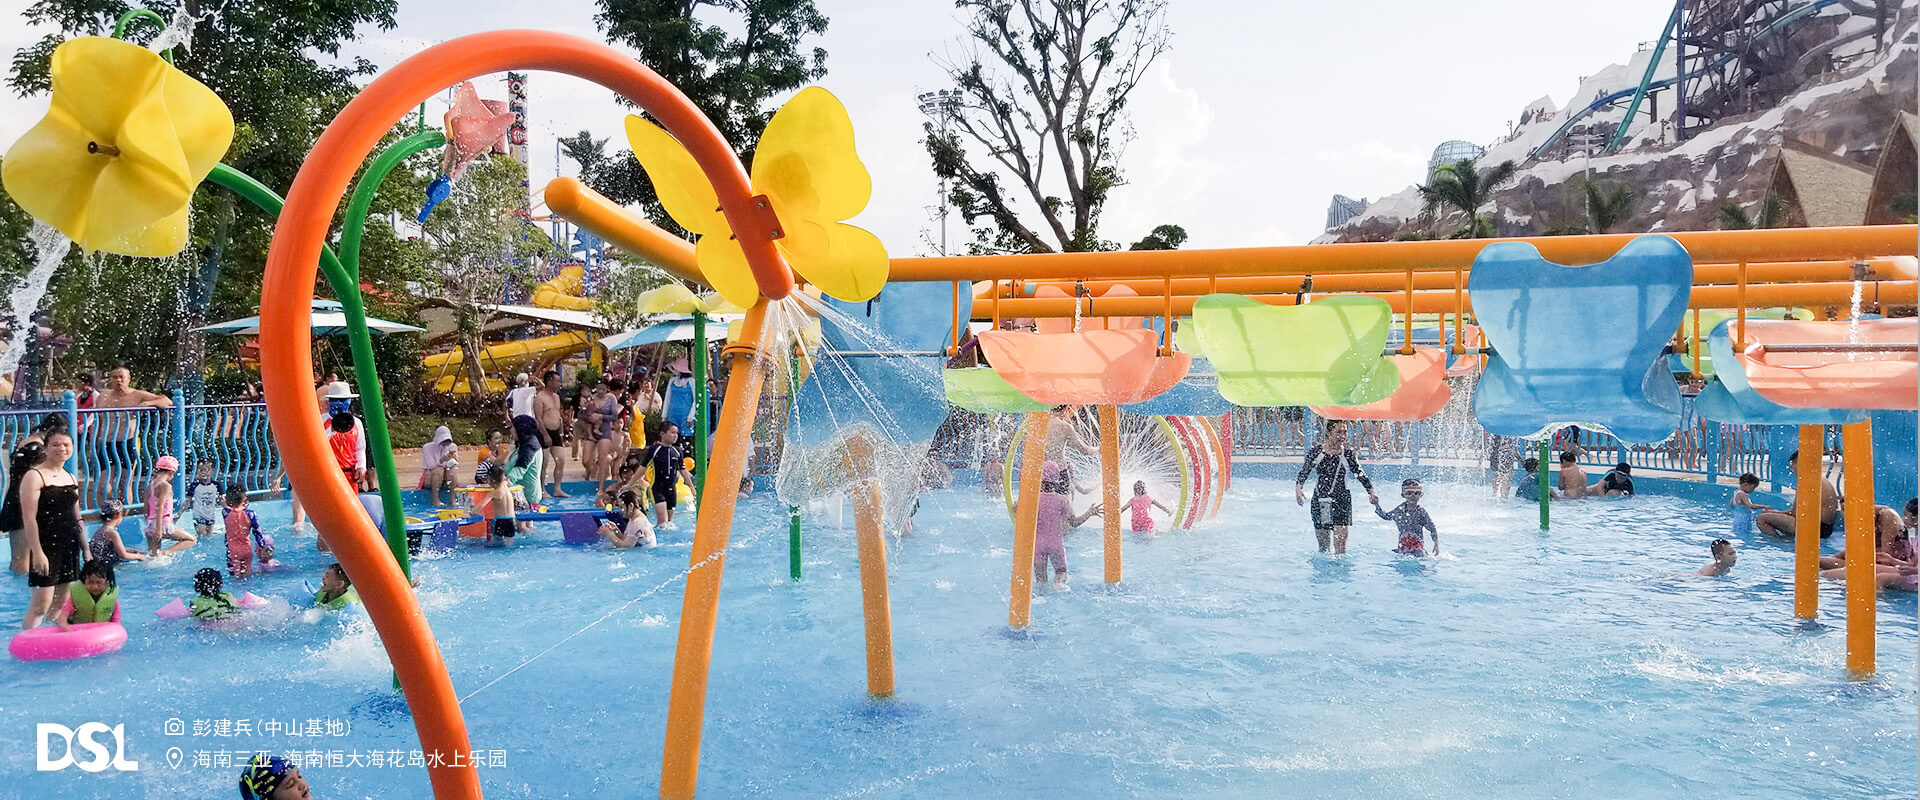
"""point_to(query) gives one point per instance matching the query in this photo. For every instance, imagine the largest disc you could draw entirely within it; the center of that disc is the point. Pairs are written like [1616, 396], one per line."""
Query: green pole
[699, 359]
[1546, 487]
[372, 399]
[793, 541]
[120, 27]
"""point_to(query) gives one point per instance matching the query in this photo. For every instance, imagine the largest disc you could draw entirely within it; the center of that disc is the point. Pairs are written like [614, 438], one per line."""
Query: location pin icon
[173, 757]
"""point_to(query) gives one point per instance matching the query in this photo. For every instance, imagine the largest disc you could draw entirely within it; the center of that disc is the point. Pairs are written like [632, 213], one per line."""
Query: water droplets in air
[50, 247]
[178, 33]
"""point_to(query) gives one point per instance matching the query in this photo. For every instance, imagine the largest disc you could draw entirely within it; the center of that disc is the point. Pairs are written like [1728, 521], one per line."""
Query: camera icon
[174, 727]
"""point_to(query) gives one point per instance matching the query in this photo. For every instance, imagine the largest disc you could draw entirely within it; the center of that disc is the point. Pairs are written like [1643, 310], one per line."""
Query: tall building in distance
[1344, 208]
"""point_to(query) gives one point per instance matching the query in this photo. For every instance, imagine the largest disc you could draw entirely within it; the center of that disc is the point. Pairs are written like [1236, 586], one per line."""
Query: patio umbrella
[672, 328]
[328, 320]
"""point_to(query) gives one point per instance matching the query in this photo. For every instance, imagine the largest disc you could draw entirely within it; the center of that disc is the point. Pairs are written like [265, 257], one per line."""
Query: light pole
[941, 105]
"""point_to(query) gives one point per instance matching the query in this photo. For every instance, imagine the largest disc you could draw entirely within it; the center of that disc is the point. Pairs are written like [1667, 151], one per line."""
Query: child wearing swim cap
[160, 528]
[272, 778]
[1056, 515]
[209, 601]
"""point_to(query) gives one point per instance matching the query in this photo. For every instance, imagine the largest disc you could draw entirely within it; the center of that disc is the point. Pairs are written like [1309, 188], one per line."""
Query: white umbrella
[328, 320]
[674, 328]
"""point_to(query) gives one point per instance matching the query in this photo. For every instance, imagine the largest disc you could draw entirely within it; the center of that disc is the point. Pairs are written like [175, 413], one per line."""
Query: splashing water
[50, 247]
[1853, 319]
[178, 33]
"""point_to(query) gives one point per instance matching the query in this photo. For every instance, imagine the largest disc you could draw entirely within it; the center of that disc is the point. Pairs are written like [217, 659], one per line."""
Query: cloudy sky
[1259, 112]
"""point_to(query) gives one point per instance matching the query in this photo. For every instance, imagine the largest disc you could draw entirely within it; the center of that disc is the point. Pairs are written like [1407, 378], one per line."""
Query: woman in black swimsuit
[50, 516]
[1330, 462]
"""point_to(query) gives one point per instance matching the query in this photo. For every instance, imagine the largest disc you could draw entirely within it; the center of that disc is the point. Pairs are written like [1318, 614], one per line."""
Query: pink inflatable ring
[48, 643]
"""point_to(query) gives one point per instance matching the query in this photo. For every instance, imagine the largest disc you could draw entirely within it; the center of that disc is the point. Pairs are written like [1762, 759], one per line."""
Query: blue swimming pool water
[1233, 662]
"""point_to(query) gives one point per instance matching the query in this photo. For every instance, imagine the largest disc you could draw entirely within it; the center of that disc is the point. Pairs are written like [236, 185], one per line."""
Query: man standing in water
[115, 437]
[546, 411]
[1330, 462]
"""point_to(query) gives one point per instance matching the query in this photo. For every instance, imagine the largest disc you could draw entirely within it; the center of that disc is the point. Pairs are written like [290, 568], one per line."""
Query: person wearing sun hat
[340, 397]
[268, 777]
[160, 510]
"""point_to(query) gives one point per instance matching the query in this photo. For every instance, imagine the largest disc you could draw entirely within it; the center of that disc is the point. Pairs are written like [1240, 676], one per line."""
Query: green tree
[265, 60]
[1164, 237]
[1772, 214]
[479, 243]
[732, 58]
[1606, 204]
[1044, 86]
[1460, 187]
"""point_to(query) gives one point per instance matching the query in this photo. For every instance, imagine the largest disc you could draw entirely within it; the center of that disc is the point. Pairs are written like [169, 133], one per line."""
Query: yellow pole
[1806, 523]
[1033, 452]
[1862, 587]
[700, 608]
[1110, 487]
[873, 568]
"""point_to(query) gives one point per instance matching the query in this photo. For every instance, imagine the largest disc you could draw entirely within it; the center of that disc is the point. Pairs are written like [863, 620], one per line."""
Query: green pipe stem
[372, 399]
[348, 289]
[120, 27]
[793, 541]
[1546, 486]
[699, 359]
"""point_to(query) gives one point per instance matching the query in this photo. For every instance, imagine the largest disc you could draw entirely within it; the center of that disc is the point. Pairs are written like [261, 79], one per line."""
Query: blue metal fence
[1700, 447]
[115, 449]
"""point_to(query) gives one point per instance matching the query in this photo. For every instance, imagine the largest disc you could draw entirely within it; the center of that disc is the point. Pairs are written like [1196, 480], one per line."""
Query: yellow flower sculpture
[806, 165]
[119, 154]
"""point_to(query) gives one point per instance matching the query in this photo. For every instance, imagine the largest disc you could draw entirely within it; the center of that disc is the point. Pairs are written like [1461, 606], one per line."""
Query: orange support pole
[1699, 342]
[1033, 453]
[1110, 487]
[700, 608]
[1406, 344]
[1806, 522]
[954, 348]
[1863, 585]
[1740, 313]
[873, 568]
[1459, 311]
[285, 315]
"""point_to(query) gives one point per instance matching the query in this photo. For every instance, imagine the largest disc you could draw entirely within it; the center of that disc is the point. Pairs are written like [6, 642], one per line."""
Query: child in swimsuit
[1056, 515]
[93, 598]
[628, 526]
[1412, 520]
[1724, 556]
[106, 546]
[501, 496]
[209, 602]
[245, 541]
[204, 495]
[1141, 505]
[160, 510]
[1744, 509]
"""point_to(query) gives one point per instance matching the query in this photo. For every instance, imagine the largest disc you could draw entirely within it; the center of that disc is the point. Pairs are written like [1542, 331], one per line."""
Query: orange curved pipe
[285, 339]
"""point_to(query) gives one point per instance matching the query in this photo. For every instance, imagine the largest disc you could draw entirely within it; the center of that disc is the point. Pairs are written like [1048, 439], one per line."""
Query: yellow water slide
[521, 355]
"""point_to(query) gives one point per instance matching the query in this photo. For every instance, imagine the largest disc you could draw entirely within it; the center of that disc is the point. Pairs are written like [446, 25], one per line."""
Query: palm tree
[1734, 218]
[1606, 205]
[1459, 187]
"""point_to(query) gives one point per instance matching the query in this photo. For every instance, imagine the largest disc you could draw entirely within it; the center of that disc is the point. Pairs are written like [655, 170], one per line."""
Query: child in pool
[336, 590]
[501, 496]
[1528, 488]
[93, 598]
[1744, 509]
[1141, 504]
[344, 442]
[106, 545]
[160, 510]
[204, 497]
[1412, 520]
[1056, 515]
[209, 602]
[1723, 556]
[628, 526]
[245, 541]
[268, 777]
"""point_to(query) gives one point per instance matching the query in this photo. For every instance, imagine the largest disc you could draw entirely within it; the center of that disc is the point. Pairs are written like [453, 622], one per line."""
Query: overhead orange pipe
[1806, 521]
[700, 607]
[1862, 546]
[1449, 278]
[1033, 453]
[594, 213]
[1110, 488]
[1706, 247]
[872, 550]
[1436, 302]
[285, 337]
